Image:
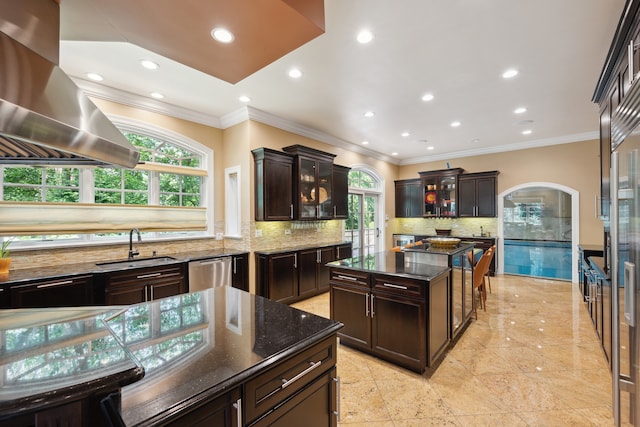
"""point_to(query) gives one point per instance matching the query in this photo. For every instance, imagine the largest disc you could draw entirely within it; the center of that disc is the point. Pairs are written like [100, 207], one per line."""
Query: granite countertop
[297, 248]
[190, 347]
[79, 269]
[392, 263]
[462, 247]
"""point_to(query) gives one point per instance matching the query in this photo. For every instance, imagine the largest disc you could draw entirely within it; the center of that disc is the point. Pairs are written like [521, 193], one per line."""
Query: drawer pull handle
[146, 276]
[347, 277]
[51, 285]
[312, 366]
[390, 285]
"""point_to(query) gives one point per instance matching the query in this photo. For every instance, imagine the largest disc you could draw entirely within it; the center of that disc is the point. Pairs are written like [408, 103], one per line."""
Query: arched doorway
[364, 225]
[539, 220]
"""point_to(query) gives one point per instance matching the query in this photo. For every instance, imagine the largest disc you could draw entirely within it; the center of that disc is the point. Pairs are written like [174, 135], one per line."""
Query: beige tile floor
[532, 359]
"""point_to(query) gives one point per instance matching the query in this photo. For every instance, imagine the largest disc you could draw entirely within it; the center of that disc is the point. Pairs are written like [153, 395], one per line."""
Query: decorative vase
[4, 265]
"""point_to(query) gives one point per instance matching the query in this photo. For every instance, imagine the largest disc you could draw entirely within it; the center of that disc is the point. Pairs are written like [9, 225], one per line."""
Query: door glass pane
[370, 224]
[324, 189]
[307, 188]
[352, 224]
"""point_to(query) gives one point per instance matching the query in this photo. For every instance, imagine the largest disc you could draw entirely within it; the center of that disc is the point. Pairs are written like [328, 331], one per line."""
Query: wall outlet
[287, 231]
[258, 233]
[219, 236]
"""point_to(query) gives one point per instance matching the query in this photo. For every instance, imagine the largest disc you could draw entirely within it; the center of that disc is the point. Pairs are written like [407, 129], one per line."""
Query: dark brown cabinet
[273, 185]
[144, 284]
[5, 301]
[340, 194]
[401, 320]
[477, 194]
[409, 198]
[59, 292]
[313, 274]
[312, 183]
[344, 251]
[224, 411]
[277, 276]
[440, 192]
[240, 271]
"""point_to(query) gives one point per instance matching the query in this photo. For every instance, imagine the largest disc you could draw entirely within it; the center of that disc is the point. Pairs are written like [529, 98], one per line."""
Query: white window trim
[233, 205]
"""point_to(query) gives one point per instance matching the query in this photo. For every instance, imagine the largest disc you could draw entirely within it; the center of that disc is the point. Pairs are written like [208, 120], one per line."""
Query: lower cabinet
[294, 275]
[225, 410]
[240, 271]
[401, 320]
[69, 291]
[144, 284]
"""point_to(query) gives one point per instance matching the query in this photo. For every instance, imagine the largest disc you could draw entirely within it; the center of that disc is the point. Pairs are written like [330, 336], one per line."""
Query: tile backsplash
[466, 227]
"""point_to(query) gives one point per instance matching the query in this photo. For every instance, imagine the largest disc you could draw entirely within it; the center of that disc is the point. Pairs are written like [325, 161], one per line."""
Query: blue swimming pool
[539, 258]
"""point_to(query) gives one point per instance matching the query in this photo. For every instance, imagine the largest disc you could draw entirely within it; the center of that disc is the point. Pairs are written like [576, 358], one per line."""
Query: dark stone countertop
[191, 347]
[462, 247]
[26, 275]
[391, 263]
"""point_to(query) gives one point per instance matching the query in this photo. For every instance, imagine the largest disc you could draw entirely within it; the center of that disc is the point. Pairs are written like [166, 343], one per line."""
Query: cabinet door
[166, 288]
[325, 255]
[308, 189]
[314, 406]
[62, 292]
[307, 272]
[5, 300]
[398, 329]
[221, 411]
[277, 191]
[324, 190]
[344, 251]
[438, 318]
[340, 196]
[125, 295]
[283, 277]
[409, 199]
[466, 197]
[485, 197]
[447, 196]
[351, 307]
[239, 272]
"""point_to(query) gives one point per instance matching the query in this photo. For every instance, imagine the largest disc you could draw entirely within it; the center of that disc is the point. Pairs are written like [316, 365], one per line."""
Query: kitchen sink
[139, 262]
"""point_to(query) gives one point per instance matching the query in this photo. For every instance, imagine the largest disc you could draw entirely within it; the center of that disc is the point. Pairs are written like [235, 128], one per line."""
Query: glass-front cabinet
[313, 186]
[440, 192]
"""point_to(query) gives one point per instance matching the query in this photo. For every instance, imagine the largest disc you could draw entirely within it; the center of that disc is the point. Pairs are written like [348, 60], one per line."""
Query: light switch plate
[258, 233]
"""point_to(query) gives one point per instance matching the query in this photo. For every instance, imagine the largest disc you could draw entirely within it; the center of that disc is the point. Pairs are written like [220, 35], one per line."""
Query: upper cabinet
[273, 185]
[440, 189]
[300, 183]
[409, 197]
[340, 192]
[312, 184]
[477, 194]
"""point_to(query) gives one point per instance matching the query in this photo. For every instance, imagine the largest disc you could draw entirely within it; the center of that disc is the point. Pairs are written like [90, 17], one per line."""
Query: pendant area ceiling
[456, 50]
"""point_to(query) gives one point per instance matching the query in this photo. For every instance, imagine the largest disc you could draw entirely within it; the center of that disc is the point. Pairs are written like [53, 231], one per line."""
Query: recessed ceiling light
[431, 147]
[527, 132]
[427, 97]
[222, 35]
[405, 134]
[520, 110]
[150, 65]
[475, 140]
[512, 72]
[395, 153]
[365, 142]
[455, 124]
[369, 114]
[365, 36]
[157, 95]
[295, 73]
[95, 76]
[244, 98]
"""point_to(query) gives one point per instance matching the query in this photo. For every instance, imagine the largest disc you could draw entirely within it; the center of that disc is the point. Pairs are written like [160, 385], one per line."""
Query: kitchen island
[396, 310]
[220, 356]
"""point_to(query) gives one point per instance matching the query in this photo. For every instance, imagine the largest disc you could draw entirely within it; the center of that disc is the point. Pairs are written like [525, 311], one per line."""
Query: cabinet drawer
[351, 277]
[144, 275]
[399, 286]
[269, 389]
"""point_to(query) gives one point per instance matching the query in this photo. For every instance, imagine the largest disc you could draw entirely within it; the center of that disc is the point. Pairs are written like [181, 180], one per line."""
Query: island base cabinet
[224, 411]
[438, 334]
[398, 332]
[318, 398]
[349, 305]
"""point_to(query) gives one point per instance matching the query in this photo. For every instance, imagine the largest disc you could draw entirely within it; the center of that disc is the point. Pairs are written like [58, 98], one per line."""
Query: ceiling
[456, 50]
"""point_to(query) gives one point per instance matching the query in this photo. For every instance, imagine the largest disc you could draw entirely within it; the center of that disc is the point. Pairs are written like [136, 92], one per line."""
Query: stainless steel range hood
[44, 117]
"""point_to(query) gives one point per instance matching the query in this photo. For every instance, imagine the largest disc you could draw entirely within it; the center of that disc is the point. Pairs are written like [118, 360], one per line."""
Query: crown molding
[566, 139]
[136, 101]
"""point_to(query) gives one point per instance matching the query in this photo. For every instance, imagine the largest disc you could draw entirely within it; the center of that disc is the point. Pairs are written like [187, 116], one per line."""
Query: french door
[361, 227]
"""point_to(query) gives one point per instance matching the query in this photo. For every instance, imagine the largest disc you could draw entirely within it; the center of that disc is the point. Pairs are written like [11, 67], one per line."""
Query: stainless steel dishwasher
[209, 273]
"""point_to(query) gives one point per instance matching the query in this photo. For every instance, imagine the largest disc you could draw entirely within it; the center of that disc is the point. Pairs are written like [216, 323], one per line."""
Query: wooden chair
[479, 272]
[493, 252]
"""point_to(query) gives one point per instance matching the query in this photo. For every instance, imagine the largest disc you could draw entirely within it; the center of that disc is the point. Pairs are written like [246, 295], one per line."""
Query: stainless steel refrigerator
[625, 276]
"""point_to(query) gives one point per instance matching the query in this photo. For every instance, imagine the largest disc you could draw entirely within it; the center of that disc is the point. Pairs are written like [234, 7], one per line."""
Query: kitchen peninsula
[221, 356]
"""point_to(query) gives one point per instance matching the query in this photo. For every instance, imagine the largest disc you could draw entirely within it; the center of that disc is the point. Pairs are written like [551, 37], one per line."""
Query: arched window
[165, 195]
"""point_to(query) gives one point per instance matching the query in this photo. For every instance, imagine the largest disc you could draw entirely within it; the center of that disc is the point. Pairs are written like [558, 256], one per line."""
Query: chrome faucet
[132, 252]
